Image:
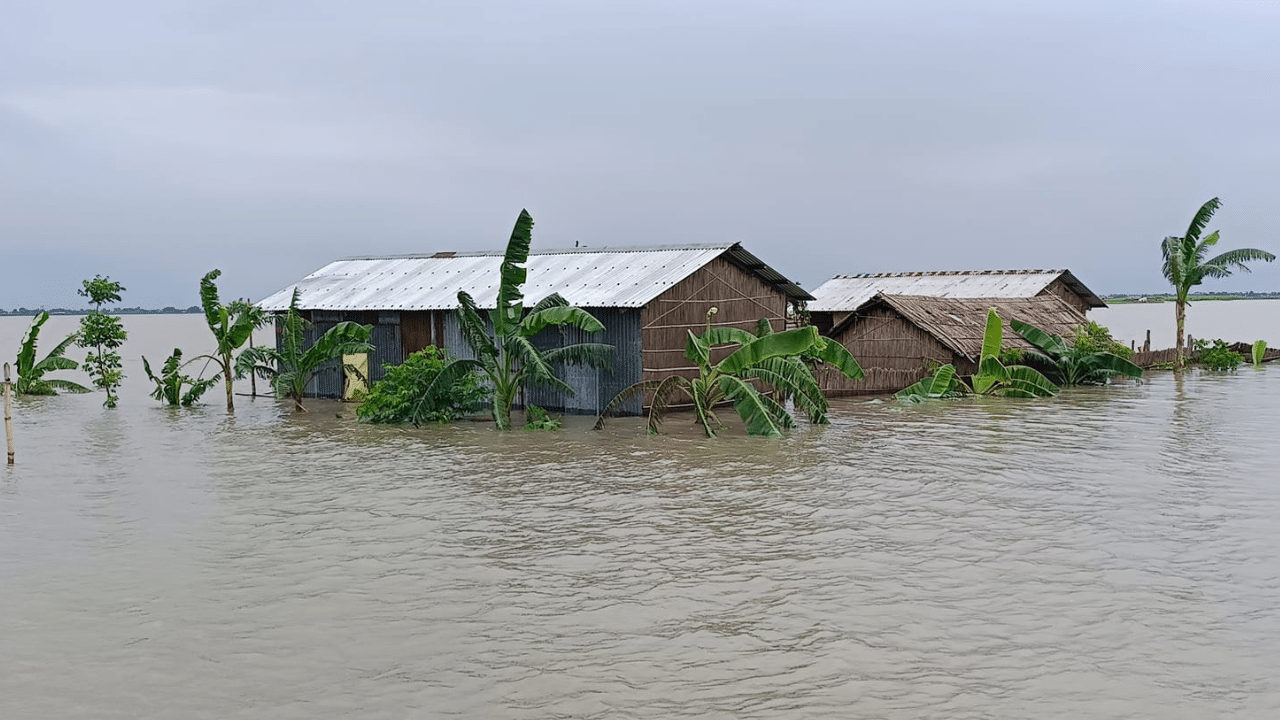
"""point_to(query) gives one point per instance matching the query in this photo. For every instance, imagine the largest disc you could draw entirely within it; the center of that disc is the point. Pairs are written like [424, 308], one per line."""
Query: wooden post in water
[8, 414]
[1146, 346]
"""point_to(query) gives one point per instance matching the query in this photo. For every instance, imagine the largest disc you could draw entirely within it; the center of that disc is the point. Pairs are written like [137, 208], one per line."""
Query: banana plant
[775, 359]
[942, 384]
[996, 378]
[993, 376]
[504, 349]
[1068, 365]
[232, 326]
[31, 374]
[1259, 351]
[291, 368]
[170, 383]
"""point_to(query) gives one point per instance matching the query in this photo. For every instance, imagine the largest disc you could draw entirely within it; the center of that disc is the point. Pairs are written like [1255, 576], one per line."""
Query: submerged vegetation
[291, 367]
[102, 335]
[995, 374]
[410, 393]
[1216, 355]
[170, 383]
[778, 360]
[504, 349]
[1079, 362]
[232, 325]
[31, 373]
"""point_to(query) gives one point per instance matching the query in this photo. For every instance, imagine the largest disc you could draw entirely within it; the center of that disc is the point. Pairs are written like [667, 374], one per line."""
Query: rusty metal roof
[844, 293]
[586, 277]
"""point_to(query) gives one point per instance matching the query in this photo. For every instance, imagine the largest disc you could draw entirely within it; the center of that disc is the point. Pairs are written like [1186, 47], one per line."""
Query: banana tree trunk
[502, 402]
[1180, 313]
[226, 374]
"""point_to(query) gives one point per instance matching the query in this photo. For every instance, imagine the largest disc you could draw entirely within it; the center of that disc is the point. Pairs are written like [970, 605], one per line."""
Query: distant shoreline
[1122, 299]
[24, 312]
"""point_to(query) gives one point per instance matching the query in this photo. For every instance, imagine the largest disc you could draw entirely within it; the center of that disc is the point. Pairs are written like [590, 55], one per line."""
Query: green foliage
[102, 334]
[1217, 355]
[1092, 337]
[170, 384]
[777, 360]
[292, 367]
[31, 374]
[995, 375]
[942, 384]
[101, 290]
[1259, 349]
[1081, 362]
[1012, 356]
[1186, 264]
[996, 378]
[539, 419]
[412, 392]
[504, 350]
[231, 325]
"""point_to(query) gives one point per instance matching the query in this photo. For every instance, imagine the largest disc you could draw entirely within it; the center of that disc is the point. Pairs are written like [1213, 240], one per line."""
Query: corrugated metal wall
[593, 389]
[386, 342]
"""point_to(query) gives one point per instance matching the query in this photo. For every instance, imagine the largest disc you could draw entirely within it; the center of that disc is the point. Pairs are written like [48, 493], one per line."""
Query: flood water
[1108, 553]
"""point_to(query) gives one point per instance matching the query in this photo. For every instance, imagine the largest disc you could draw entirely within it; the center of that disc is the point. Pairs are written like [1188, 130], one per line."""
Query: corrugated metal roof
[961, 323]
[586, 277]
[844, 293]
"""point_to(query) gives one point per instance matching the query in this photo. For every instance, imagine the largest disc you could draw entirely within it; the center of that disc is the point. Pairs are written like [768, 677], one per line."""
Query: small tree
[291, 368]
[31, 374]
[101, 334]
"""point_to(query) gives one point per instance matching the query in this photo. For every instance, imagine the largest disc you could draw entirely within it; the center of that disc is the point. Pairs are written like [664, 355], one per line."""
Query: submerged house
[899, 339]
[648, 298]
[835, 299]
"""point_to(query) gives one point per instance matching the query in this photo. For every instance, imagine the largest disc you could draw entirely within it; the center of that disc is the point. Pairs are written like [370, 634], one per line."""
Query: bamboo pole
[8, 414]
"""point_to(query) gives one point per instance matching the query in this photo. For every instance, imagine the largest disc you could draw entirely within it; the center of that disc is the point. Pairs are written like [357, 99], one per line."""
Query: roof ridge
[548, 251]
[943, 273]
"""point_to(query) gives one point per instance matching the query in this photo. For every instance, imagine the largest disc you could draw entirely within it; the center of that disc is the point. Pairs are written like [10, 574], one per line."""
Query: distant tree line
[167, 310]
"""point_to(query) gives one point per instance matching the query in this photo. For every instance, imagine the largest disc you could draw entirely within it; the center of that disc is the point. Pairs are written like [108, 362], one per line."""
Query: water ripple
[1108, 553]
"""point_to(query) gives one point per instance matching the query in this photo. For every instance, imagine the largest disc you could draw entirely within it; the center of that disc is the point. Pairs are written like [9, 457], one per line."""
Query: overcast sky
[153, 140]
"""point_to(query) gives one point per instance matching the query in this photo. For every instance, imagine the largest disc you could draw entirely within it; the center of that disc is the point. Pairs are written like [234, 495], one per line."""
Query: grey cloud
[158, 139]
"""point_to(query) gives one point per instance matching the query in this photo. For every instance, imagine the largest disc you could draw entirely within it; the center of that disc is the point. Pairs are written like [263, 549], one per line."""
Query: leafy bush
[1092, 338]
[1012, 356]
[1217, 356]
[539, 419]
[409, 392]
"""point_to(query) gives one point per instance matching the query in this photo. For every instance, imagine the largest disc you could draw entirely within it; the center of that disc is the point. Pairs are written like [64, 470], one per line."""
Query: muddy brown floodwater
[1109, 553]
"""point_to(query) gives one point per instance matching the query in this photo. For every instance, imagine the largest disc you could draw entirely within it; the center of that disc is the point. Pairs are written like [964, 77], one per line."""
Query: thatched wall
[897, 339]
[741, 299]
[893, 352]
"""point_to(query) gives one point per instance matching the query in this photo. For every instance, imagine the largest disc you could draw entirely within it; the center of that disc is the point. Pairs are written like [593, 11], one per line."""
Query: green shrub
[539, 419]
[1217, 356]
[1012, 356]
[408, 392]
[1093, 338]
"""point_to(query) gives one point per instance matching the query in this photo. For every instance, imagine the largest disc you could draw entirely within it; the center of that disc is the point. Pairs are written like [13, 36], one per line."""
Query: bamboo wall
[741, 299]
[892, 351]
